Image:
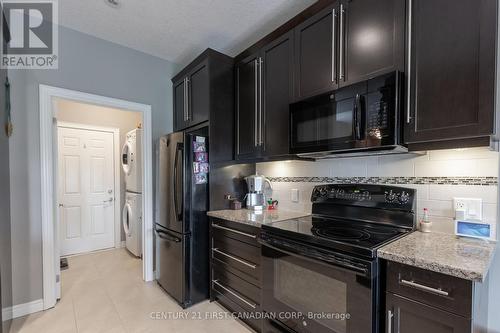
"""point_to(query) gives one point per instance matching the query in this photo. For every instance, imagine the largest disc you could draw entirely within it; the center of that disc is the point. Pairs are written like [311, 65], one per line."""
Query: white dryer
[132, 161]
[132, 223]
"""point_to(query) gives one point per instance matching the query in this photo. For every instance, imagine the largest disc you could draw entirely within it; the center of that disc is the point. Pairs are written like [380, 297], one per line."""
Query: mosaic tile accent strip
[484, 181]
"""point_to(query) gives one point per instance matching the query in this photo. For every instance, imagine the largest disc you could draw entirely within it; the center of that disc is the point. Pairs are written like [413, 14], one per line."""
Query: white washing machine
[132, 223]
[132, 161]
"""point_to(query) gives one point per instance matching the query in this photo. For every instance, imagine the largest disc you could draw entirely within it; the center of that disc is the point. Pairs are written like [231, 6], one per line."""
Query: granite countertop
[254, 218]
[465, 258]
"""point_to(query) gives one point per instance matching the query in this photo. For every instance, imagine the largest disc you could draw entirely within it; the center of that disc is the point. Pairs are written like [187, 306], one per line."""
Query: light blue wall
[86, 64]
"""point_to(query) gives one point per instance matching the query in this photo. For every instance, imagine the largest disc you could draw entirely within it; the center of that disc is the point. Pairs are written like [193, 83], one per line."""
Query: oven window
[309, 291]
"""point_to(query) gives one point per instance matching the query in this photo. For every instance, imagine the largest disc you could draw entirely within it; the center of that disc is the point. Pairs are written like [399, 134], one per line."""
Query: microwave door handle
[359, 116]
[355, 119]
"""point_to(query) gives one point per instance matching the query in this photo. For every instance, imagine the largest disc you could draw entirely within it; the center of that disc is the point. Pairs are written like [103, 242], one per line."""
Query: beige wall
[89, 114]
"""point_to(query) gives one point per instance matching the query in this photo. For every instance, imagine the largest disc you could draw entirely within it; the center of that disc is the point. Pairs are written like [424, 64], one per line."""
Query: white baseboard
[123, 244]
[20, 310]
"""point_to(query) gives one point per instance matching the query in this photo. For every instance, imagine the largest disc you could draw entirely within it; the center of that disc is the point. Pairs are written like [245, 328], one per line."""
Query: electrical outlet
[294, 195]
[468, 208]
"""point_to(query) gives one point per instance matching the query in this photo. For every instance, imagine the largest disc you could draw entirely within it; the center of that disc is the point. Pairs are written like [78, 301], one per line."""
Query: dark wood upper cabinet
[452, 77]
[198, 93]
[408, 316]
[180, 120]
[247, 105]
[316, 53]
[277, 80]
[191, 97]
[372, 33]
[264, 84]
[204, 92]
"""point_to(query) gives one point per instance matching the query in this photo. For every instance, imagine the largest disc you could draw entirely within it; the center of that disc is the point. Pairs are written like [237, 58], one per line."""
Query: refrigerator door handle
[179, 148]
[165, 236]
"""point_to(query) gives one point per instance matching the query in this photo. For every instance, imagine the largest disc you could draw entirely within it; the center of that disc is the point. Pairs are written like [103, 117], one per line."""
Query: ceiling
[178, 30]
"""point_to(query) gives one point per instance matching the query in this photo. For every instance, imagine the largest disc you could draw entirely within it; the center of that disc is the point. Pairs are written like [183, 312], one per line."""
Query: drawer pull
[252, 305]
[235, 259]
[418, 286]
[235, 231]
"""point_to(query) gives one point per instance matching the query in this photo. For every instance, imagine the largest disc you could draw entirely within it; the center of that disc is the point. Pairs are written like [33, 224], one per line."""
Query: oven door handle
[342, 265]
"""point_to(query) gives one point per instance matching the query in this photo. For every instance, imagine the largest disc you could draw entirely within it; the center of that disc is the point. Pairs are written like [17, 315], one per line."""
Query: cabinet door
[247, 104]
[316, 45]
[180, 117]
[452, 70]
[277, 78]
[198, 92]
[372, 39]
[406, 316]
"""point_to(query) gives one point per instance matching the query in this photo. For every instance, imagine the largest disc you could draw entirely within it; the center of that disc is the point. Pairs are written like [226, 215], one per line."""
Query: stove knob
[323, 191]
[404, 197]
[390, 196]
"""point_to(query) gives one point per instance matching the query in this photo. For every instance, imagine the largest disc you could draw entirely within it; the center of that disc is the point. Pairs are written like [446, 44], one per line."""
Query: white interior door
[86, 190]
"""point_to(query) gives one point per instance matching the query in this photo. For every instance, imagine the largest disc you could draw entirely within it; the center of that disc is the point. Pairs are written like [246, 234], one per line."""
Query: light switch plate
[294, 195]
[472, 207]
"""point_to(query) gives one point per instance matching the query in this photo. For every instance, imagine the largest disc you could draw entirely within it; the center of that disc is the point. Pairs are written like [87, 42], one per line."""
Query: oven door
[312, 290]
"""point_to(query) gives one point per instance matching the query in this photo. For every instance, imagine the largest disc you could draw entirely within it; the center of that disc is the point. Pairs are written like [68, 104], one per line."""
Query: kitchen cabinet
[452, 73]
[346, 43]
[236, 269]
[191, 97]
[316, 52]
[372, 39]
[264, 83]
[204, 91]
[408, 316]
[418, 300]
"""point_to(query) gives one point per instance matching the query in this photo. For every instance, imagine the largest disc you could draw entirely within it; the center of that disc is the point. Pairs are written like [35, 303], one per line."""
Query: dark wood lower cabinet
[236, 270]
[407, 316]
[418, 300]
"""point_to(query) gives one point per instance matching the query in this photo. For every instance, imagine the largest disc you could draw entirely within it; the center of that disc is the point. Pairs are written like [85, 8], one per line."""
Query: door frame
[50, 257]
[116, 172]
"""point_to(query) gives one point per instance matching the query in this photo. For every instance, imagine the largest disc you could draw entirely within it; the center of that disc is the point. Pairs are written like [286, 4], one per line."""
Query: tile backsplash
[438, 176]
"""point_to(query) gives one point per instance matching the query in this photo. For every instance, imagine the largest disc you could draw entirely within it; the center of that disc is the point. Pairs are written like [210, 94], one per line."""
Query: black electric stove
[327, 262]
[352, 219]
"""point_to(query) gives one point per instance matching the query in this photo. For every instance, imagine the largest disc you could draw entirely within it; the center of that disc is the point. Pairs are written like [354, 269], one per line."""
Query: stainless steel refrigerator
[181, 228]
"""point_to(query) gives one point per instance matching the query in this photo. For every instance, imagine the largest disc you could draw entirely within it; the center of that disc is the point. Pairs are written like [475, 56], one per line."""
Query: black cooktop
[353, 237]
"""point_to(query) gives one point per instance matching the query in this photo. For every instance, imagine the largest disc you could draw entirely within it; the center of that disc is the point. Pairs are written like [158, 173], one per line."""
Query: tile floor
[103, 292]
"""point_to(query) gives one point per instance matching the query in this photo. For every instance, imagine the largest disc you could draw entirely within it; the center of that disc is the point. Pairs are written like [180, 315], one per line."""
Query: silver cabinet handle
[235, 259]
[408, 65]
[234, 231]
[252, 305]
[256, 74]
[419, 286]
[188, 112]
[261, 141]
[185, 99]
[109, 200]
[341, 53]
[390, 315]
[334, 19]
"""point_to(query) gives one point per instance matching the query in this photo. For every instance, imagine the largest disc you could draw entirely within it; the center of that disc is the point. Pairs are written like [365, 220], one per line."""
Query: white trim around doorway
[116, 170]
[50, 257]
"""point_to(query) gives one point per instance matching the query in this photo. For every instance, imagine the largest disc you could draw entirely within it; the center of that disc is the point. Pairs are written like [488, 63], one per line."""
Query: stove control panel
[380, 196]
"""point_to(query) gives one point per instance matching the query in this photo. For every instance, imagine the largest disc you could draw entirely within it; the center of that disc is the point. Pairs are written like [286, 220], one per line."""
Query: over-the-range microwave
[363, 118]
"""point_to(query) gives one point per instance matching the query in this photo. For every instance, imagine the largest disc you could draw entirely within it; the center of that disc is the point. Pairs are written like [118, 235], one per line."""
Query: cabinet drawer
[239, 291]
[439, 290]
[252, 321]
[244, 233]
[240, 258]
